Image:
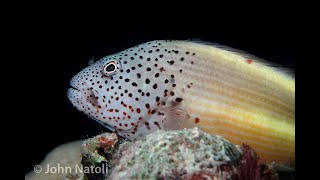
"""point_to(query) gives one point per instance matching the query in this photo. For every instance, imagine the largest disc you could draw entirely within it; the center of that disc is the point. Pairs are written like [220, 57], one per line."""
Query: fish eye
[111, 67]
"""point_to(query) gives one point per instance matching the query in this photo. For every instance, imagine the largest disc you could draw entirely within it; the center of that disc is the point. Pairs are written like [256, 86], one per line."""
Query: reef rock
[184, 154]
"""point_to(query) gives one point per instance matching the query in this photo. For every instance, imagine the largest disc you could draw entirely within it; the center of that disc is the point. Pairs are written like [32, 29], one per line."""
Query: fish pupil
[110, 68]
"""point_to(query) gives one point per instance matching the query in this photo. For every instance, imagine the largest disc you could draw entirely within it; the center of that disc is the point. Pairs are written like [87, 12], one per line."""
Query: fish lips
[85, 101]
[77, 99]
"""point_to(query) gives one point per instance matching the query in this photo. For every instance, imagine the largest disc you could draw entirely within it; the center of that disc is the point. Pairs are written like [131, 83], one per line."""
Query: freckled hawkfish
[172, 85]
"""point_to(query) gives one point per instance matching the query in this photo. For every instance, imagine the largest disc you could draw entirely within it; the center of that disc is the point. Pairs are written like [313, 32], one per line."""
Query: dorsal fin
[276, 67]
[91, 61]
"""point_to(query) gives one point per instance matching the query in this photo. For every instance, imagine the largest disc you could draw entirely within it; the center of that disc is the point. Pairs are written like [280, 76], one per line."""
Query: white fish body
[182, 84]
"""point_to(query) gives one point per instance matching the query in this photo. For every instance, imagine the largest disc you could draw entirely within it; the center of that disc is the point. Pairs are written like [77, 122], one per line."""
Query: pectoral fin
[176, 118]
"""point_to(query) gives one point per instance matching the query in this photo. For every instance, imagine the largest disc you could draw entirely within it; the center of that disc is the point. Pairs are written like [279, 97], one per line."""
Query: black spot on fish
[153, 111]
[178, 99]
[170, 62]
[171, 93]
[155, 86]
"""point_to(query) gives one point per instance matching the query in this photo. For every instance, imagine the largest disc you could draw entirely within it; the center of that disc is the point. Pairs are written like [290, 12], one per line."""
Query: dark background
[63, 45]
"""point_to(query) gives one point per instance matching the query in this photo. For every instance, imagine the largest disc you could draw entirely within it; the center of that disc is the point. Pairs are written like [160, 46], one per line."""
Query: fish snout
[86, 98]
[77, 99]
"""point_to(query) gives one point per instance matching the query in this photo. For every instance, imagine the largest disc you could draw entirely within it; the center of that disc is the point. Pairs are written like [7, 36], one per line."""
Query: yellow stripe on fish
[182, 84]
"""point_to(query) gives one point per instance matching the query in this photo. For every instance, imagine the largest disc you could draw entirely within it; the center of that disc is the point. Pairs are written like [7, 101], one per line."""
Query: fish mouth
[84, 99]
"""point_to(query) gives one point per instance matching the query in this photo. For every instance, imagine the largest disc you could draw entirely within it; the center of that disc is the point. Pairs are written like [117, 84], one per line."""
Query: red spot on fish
[196, 120]
[140, 119]
[138, 110]
[162, 69]
[130, 107]
[249, 61]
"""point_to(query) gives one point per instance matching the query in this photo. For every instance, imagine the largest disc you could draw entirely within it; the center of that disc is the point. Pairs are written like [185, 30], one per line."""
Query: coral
[184, 154]
[97, 154]
[175, 154]
[187, 154]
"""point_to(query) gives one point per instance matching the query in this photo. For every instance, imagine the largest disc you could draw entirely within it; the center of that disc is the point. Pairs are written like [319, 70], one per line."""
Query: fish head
[88, 86]
[127, 91]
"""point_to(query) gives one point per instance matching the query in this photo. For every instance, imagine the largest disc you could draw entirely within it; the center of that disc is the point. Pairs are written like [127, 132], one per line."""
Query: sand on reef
[65, 155]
